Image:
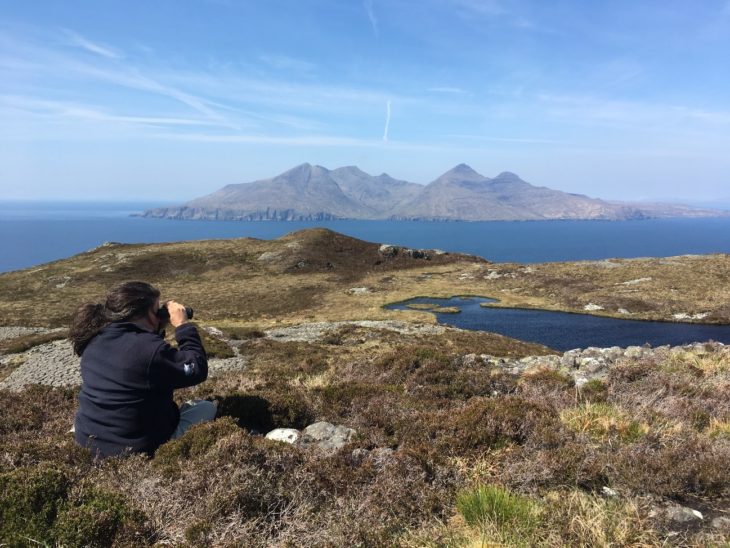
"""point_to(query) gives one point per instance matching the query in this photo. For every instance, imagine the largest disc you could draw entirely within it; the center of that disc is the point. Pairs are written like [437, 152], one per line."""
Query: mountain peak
[508, 176]
[463, 169]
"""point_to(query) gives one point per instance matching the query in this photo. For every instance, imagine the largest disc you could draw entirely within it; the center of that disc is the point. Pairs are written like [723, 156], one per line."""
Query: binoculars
[163, 314]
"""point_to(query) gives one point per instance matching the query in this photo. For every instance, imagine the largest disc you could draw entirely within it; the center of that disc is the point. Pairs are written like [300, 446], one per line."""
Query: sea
[32, 233]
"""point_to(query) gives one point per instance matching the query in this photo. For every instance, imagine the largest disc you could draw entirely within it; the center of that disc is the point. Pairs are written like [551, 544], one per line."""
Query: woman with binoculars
[129, 372]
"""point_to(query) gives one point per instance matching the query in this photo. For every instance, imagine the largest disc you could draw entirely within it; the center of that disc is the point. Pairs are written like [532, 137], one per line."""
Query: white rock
[623, 311]
[608, 492]
[683, 514]
[636, 281]
[591, 306]
[681, 316]
[359, 290]
[287, 435]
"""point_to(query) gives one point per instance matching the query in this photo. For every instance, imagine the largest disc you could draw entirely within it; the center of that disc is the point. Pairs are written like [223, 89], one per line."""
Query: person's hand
[178, 316]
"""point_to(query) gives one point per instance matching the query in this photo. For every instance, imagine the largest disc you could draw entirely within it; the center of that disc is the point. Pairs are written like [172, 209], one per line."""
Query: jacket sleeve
[186, 365]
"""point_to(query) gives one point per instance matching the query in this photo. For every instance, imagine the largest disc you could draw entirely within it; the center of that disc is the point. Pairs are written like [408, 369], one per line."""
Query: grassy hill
[449, 451]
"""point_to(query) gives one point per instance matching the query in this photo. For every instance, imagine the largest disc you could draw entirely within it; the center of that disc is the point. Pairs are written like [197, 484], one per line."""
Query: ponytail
[125, 302]
[87, 322]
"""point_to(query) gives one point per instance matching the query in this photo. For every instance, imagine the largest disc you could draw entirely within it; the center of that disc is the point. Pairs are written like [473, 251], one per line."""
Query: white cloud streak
[387, 121]
[370, 10]
[90, 46]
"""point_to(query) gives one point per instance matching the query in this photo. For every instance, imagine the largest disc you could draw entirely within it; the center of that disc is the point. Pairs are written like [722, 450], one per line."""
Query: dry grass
[601, 421]
[306, 276]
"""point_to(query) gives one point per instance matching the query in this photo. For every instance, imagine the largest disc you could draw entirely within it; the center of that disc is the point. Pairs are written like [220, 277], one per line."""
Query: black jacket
[129, 374]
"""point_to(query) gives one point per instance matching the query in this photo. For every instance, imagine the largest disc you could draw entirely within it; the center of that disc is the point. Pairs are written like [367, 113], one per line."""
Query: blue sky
[169, 100]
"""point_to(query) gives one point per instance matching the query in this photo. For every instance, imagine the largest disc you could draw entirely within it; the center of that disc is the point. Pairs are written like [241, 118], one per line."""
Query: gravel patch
[312, 332]
[15, 332]
[52, 363]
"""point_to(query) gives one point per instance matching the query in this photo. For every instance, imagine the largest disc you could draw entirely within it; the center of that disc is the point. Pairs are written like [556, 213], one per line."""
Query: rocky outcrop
[588, 364]
[322, 435]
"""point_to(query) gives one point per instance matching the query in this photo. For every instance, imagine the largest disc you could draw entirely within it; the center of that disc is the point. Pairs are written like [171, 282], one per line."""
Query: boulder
[326, 436]
[388, 250]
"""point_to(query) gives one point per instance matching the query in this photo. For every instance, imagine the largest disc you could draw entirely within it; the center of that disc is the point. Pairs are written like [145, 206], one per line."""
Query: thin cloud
[368, 4]
[90, 46]
[284, 62]
[387, 121]
[445, 89]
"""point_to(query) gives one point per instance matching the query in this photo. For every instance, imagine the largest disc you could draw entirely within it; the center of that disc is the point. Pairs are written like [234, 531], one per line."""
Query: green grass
[497, 505]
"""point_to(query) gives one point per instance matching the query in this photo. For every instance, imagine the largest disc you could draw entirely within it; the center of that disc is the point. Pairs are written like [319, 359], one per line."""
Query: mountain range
[308, 192]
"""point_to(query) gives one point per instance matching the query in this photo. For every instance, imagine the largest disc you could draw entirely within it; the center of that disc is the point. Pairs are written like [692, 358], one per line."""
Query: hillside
[453, 438]
[309, 192]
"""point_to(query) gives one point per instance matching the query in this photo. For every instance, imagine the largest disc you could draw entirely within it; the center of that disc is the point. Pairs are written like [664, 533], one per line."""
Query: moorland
[449, 450]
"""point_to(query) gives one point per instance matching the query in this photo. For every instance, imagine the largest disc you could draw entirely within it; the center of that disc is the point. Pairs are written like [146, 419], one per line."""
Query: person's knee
[208, 410]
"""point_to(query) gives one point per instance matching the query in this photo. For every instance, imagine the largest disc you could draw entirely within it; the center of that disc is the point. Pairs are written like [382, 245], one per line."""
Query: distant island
[314, 193]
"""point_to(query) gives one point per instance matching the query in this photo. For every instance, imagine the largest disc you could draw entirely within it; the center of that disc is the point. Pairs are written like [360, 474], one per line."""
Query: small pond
[561, 330]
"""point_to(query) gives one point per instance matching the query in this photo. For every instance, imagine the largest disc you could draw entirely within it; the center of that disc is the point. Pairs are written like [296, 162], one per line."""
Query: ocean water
[32, 233]
[563, 331]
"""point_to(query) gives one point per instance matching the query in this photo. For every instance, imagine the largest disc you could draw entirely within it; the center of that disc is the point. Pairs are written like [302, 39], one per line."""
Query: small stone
[592, 306]
[287, 435]
[722, 523]
[608, 492]
[682, 514]
[359, 290]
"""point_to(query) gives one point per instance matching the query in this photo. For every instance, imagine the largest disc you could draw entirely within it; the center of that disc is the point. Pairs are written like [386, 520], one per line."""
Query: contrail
[371, 15]
[387, 121]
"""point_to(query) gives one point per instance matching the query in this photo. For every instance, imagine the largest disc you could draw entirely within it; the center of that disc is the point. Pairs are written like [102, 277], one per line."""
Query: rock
[287, 435]
[721, 523]
[359, 290]
[388, 250]
[269, 256]
[682, 514]
[214, 331]
[634, 352]
[591, 306]
[623, 311]
[417, 254]
[608, 492]
[326, 436]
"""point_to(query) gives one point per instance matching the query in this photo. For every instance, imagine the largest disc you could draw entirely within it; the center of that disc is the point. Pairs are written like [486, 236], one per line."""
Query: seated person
[129, 372]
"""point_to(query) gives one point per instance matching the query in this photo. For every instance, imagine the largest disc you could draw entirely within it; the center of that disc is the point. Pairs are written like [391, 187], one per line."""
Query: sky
[169, 100]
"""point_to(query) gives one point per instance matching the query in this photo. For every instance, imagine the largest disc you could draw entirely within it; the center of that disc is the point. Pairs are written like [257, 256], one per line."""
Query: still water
[563, 331]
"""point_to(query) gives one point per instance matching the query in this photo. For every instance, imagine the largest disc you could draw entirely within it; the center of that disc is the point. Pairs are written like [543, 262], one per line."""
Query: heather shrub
[674, 466]
[30, 500]
[264, 410]
[486, 423]
[37, 410]
[100, 518]
[193, 444]
[594, 391]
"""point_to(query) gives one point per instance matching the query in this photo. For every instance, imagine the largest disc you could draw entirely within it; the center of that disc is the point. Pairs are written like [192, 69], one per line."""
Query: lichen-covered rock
[326, 436]
[682, 514]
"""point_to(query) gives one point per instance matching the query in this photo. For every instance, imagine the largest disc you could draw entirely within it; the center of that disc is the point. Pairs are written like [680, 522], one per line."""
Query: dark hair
[127, 301]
